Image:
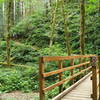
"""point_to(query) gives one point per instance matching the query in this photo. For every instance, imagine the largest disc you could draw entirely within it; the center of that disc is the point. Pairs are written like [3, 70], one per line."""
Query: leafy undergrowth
[22, 54]
[18, 78]
[25, 54]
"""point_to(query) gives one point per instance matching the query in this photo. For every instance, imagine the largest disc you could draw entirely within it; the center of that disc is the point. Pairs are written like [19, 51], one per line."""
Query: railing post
[89, 65]
[94, 78]
[99, 74]
[80, 61]
[85, 66]
[60, 76]
[41, 79]
[72, 63]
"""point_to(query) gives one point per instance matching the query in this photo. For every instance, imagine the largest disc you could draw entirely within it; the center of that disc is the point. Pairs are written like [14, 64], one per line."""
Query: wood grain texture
[81, 92]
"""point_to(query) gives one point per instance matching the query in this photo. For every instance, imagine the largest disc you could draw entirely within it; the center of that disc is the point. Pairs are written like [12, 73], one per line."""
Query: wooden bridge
[84, 82]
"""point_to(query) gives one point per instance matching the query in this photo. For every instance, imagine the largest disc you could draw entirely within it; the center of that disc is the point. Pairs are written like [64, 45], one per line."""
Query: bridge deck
[81, 92]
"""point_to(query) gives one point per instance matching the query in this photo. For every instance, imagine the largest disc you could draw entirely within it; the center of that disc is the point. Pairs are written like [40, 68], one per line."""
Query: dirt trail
[19, 96]
[33, 47]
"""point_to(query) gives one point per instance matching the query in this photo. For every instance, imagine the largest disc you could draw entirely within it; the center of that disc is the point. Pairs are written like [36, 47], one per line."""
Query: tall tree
[14, 11]
[67, 34]
[10, 22]
[82, 26]
[31, 7]
[99, 5]
[46, 8]
[2, 19]
[53, 22]
[50, 2]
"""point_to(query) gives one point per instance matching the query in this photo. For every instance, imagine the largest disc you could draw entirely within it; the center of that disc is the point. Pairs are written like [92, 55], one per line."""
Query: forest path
[22, 44]
[19, 96]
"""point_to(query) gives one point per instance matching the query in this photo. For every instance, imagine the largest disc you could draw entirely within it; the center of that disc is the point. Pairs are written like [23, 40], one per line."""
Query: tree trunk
[14, 11]
[3, 13]
[99, 5]
[18, 10]
[67, 34]
[46, 7]
[82, 27]
[10, 22]
[53, 22]
[31, 7]
[50, 3]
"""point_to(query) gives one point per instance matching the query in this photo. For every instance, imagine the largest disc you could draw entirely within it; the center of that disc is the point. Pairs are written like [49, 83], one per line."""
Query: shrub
[24, 79]
[55, 50]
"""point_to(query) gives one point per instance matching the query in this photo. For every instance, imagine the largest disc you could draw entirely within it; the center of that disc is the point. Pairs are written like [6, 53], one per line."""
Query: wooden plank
[61, 95]
[41, 79]
[63, 69]
[59, 58]
[63, 81]
[77, 95]
[81, 92]
[77, 98]
[78, 92]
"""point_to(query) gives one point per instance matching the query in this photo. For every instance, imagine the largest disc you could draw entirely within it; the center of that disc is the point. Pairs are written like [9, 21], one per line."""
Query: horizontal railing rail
[64, 69]
[83, 66]
[61, 58]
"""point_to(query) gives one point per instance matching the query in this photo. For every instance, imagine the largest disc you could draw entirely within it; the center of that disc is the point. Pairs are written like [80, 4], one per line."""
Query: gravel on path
[19, 96]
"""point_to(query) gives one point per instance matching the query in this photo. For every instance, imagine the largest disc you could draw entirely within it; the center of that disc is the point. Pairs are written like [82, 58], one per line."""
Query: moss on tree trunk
[82, 27]
[10, 22]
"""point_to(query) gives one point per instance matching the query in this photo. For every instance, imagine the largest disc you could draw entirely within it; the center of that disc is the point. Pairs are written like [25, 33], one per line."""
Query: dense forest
[30, 29]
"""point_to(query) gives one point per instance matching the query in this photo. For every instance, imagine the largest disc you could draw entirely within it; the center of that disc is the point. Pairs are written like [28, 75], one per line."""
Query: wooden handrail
[63, 81]
[61, 69]
[62, 58]
[64, 69]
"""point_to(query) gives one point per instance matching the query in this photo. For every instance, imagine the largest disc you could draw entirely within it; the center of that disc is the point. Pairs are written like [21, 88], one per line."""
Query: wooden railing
[83, 66]
[95, 62]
